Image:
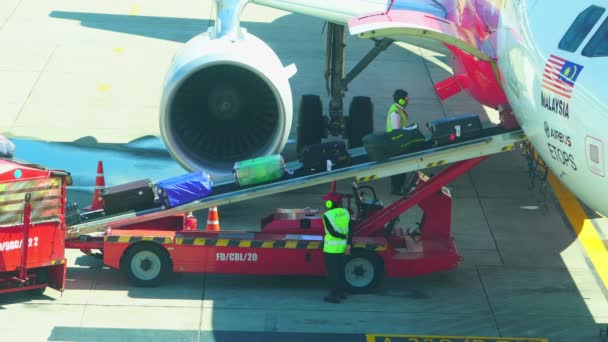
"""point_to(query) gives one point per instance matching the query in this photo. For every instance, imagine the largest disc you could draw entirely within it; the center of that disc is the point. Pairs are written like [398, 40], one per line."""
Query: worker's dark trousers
[335, 273]
[397, 182]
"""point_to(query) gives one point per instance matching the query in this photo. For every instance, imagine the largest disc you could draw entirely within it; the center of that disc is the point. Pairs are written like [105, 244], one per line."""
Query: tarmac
[95, 69]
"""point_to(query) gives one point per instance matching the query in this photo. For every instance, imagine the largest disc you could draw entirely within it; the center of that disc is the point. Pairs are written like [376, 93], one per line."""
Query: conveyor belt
[227, 191]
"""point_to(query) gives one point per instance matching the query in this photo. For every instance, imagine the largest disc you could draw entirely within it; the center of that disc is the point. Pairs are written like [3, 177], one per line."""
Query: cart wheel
[41, 277]
[310, 121]
[363, 271]
[360, 120]
[146, 264]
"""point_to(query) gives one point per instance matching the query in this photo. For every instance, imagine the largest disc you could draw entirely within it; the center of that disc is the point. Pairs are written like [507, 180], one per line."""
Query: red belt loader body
[32, 232]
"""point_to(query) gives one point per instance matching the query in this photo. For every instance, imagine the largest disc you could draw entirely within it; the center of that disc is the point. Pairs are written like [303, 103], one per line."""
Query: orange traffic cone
[213, 219]
[100, 183]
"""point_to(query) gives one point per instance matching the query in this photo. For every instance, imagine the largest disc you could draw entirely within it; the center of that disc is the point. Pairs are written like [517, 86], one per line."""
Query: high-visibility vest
[395, 108]
[339, 218]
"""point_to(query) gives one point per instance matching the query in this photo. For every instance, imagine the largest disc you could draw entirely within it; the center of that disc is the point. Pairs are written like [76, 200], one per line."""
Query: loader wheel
[360, 120]
[310, 121]
[363, 271]
[146, 264]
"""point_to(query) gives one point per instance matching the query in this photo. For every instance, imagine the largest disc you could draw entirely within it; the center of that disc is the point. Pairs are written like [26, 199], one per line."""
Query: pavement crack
[199, 336]
[29, 94]
[485, 217]
[485, 293]
[10, 15]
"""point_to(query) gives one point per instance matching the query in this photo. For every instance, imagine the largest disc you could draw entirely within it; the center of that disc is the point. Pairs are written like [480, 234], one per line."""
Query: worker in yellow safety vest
[337, 241]
[397, 119]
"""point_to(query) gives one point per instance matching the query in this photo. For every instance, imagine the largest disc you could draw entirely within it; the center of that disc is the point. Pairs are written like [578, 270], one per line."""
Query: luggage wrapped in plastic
[259, 170]
[184, 189]
[382, 146]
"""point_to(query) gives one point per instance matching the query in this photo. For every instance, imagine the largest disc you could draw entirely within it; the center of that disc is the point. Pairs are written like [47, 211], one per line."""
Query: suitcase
[315, 157]
[183, 189]
[138, 195]
[382, 146]
[454, 129]
[259, 170]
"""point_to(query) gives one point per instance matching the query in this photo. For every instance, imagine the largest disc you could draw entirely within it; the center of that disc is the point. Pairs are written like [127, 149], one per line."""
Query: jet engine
[225, 100]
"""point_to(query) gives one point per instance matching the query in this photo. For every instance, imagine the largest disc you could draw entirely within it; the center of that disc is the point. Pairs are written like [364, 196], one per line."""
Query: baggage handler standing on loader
[397, 119]
[337, 242]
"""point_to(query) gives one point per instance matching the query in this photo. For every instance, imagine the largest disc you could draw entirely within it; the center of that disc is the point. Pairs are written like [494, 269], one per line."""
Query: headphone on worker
[400, 97]
[332, 200]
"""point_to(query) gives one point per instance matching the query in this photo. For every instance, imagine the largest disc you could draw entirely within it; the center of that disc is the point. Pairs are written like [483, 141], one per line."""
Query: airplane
[540, 61]
[536, 60]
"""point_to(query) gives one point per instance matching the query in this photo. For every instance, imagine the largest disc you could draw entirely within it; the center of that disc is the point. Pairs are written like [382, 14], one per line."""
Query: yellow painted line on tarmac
[103, 87]
[118, 50]
[134, 10]
[583, 227]
[424, 338]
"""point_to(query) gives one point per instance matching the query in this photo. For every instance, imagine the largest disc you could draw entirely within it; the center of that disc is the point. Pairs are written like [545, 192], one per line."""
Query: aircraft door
[594, 152]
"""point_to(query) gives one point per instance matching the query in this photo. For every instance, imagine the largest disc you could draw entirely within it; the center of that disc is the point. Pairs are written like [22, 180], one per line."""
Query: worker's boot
[332, 298]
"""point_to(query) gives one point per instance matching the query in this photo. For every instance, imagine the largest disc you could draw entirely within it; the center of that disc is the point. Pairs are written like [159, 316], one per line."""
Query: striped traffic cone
[213, 220]
[100, 183]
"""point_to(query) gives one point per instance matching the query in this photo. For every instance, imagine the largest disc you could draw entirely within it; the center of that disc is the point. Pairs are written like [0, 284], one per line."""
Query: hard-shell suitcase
[315, 157]
[381, 146]
[259, 170]
[454, 129]
[183, 189]
[138, 195]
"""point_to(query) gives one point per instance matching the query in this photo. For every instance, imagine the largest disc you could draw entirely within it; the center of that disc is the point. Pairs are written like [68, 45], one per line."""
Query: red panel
[235, 260]
[57, 276]
[175, 222]
[482, 83]
[448, 88]
[45, 244]
[112, 253]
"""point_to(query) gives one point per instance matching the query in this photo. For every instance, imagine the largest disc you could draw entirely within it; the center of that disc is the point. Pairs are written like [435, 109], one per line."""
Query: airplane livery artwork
[541, 61]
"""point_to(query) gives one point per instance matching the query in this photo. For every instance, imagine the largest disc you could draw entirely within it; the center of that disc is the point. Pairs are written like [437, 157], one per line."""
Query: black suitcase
[138, 195]
[382, 146]
[314, 157]
[454, 129]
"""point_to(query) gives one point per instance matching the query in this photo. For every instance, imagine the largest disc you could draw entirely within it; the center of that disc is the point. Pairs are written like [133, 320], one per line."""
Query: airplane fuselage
[558, 96]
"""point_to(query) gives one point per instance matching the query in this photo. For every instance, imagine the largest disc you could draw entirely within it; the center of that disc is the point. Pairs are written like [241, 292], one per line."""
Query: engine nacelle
[224, 101]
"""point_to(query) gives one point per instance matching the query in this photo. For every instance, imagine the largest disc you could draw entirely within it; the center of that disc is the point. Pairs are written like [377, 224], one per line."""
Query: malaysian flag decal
[560, 75]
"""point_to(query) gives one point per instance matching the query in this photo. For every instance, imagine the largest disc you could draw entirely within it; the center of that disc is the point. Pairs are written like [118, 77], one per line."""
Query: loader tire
[363, 271]
[146, 264]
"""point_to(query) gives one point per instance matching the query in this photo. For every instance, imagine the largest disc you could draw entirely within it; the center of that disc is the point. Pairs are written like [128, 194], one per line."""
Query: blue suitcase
[184, 189]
